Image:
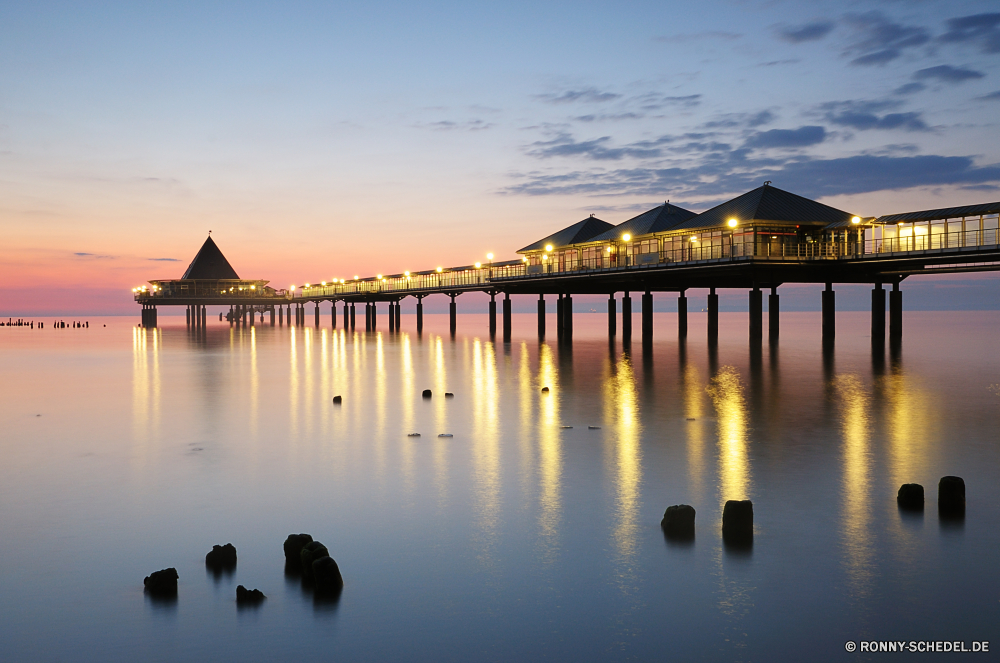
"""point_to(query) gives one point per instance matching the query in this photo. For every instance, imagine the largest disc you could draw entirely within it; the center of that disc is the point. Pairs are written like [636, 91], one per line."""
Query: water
[125, 451]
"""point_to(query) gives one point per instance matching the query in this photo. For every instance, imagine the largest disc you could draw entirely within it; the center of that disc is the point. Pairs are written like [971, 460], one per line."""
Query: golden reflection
[549, 454]
[855, 418]
[622, 404]
[439, 371]
[293, 383]
[529, 399]
[726, 390]
[486, 447]
[909, 414]
[693, 392]
[145, 392]
[254, 384]
[408, 389]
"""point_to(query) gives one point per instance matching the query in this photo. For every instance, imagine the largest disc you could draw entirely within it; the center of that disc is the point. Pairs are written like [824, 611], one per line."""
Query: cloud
[654, 101]
[785, 138]
[700, 36]
[587, 95]
[909, 88]
[564, 145]
[981, 29]
[864, 116]
[774, 63]
[805, 176]
[812, 31]
[164, 259]
[601, 117]
[992, 96]
[81, 254]
[450, 125]
[730, 120]
[948, 74]
[878, 40]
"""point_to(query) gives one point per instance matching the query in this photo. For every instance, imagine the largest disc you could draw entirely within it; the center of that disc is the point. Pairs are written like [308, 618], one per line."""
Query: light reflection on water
[516, 538]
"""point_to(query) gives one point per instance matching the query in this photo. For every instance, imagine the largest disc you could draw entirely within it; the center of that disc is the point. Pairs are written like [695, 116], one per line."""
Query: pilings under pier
[773, 311]
[647, 317]
[682, 315]
[829, 313]
[713, 316]
[756, 314]
[541, 316]
[506, 317]
[895, 313]
[878, 315]
[626, 317]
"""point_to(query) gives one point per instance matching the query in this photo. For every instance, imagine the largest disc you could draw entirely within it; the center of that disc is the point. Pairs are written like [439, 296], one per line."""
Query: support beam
[612, 313]
[399, 315]
[316, 315]
[647, 317]
[626, 317]
[392, 317]
[896, 313]
[773, 311]
[204, 316]
[493, 314]
[756, 314]
[187, 315]
[682, 315]
[713, 316]
[420, 313]
[271, 311]
[333, 313]
[506, 317]
[452, 315]
[568, 317]
[878, 315]
[368, 316]
[352, 315]
[541, 316]
[829, 313]
[559, 316]
[374, 316]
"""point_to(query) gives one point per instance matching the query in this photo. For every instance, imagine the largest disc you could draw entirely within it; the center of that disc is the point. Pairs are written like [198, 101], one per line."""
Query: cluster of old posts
[758, 241]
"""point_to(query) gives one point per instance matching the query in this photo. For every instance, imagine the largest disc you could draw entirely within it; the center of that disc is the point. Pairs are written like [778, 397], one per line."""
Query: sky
[320, 140]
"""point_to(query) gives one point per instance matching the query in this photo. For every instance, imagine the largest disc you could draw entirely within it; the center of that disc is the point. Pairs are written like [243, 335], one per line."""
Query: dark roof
[944, 213]
[658, 219]
[210, 264]
[580, 231]
[766, 203]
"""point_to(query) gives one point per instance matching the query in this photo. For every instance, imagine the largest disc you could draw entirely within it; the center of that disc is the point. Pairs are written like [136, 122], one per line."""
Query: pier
[756, 242]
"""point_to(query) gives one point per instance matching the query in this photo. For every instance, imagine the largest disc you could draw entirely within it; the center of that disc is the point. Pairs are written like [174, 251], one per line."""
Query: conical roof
[210, 264]
[658, 219]
[581, 231]
[766, 203]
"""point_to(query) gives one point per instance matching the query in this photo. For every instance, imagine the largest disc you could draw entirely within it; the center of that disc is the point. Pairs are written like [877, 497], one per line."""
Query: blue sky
[325, 139]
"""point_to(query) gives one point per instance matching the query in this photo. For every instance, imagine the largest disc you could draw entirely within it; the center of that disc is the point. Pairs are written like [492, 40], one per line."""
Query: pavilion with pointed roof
[209, 276]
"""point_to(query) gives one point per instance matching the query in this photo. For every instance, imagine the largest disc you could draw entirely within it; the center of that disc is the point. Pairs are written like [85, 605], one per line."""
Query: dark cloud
[653, 101]
[878, 40]
[564, 145]
[801, 137]
[992, 96]
[812, 31]
[980, 29]
[603, 117]
[163, 259]
[83, 254]
[732, 120]
[865, 115]
[587, 95]
[806, 176]
[910, 88]
[948, 74]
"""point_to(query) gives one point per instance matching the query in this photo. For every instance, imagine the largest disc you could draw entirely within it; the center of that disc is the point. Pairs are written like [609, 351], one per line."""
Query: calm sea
[531, 534]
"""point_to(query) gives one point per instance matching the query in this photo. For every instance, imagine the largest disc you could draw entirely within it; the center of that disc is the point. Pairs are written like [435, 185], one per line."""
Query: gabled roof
[658, 219]
[210, 264]
[766, 203]
[580, 231]
[943, 213]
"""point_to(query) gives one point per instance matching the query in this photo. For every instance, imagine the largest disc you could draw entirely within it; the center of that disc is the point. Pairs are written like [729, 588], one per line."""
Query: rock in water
[244, 595]
[310, 553]
[448, 394]
[951, 494]
[545, 390]
[162, 583]
[678, 521]
[221, 557]
[910, 497]
[337, 400]
[327, 576]
[737, 520]
[427, 393]
[293, 549]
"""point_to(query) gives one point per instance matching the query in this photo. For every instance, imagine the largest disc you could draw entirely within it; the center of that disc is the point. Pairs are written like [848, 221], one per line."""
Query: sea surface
[534, 532]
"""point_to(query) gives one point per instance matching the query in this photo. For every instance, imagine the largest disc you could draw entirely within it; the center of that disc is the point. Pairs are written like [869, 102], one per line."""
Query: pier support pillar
[316, 315]
[204, 316]
[352, 314]
[452, 315]
[713, 316]
[187, 315]
[347, 315]
[682, 315]
[541, 316]
[559, 316]
[399, 315]
[333, 313]
[368, 316]
[878, 315]
[896, 313]
[612, 312]
[626, 317]
[493, 314]
[829, 313]
[568, 317]
[392, 317]
[647, 317]
[420, 314]
[756, 314]
[773, 311]
[506, 317]
[374, 316]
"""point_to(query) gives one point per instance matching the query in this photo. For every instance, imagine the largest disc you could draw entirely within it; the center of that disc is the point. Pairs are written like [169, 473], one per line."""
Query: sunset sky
[321, 140]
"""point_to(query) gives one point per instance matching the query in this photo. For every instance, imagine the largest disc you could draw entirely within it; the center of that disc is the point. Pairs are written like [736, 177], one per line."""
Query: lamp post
[732, 236]
[625, 239]
[856, 220]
